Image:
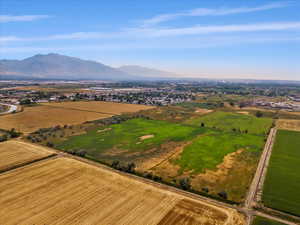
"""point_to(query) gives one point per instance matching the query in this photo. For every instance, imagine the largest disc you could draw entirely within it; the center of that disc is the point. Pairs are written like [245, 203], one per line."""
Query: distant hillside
[140, 71]
[55, 66]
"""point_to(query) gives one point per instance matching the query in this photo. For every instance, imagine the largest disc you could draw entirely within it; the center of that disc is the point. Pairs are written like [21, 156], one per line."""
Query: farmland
[217, 161]
[100, 107]
[228, 121]
[208, 151]
[130, 140]
[66, 191]
[16, 153]
[263, 221]
[34, 118]
[211, 158]
[281, 189]
[288, 124]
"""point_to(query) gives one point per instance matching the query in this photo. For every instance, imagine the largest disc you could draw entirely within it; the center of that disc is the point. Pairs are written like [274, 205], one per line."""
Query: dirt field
[288, 124]
[66, 191]
[15, 153]
[33, 118]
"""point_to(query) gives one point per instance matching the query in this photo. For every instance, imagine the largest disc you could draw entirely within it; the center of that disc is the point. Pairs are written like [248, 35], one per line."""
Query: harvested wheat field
[67, 191]
[17, 153]
[288, 124]
[34, 118]
[101, 107]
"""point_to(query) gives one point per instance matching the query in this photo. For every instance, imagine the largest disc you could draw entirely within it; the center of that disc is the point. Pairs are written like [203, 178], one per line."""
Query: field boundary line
[9, 169]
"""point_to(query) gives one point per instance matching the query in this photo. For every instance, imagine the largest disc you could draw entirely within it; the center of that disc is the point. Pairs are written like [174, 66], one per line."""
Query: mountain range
[56, 66]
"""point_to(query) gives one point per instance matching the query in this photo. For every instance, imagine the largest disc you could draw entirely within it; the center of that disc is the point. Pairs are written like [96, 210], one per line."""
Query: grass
[228, 121]
[193, 105]
[208, 151]
[263, 221]
[126, 136]
[281, 189]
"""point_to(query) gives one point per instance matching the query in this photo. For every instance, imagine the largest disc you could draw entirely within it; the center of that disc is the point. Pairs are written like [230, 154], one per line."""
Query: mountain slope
[55, 66]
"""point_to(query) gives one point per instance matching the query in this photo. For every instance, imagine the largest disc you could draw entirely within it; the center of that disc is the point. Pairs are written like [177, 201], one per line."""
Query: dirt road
[261, 170]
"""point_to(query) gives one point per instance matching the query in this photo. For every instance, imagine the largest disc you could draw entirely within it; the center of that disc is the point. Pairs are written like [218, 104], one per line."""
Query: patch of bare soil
[203, 111]
[243, 112]
[146, 137]
[104, 130]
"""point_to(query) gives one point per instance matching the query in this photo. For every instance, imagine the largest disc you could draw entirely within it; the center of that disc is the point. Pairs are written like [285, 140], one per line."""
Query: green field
[263, 221]
[282, 184]
[228, 121]
[204, 105]
[208, 151]
[205, 148]
[126, 136]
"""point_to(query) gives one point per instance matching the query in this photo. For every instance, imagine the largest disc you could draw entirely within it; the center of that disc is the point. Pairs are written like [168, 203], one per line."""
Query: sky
[253, 39]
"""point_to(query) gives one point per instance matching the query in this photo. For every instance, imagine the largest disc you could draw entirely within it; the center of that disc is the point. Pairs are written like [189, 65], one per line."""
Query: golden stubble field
[101, 107]
[288, 124]
[16, 153]
[52, 114]
[67, 191]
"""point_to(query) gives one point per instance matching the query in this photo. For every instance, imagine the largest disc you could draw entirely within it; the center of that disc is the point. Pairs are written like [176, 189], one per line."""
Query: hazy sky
[201, 38]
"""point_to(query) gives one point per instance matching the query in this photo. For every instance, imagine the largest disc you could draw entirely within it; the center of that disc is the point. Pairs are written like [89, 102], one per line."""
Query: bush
[185, 183]
[259, 114]
[223, 194]
[3, 138]
[50, 144]
[13, 133]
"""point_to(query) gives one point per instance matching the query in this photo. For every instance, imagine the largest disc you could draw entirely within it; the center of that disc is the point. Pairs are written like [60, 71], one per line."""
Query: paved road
[10, 110]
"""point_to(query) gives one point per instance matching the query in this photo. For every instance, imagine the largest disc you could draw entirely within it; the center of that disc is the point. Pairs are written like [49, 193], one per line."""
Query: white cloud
[211, 12]
[194, 30]
[8, 38]
[23, 18]
[191, 43]
[148, 33]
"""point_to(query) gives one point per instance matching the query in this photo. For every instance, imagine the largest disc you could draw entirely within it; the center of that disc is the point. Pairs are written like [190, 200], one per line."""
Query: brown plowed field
[15, 153]
[52, 114]
[66, 191]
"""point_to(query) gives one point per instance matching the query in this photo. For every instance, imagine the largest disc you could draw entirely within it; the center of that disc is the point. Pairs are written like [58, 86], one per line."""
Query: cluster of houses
[145, 96]
[289, 106]
[295, 98]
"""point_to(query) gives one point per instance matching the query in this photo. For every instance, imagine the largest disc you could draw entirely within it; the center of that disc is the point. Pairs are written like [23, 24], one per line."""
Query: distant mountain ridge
[56, 66]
